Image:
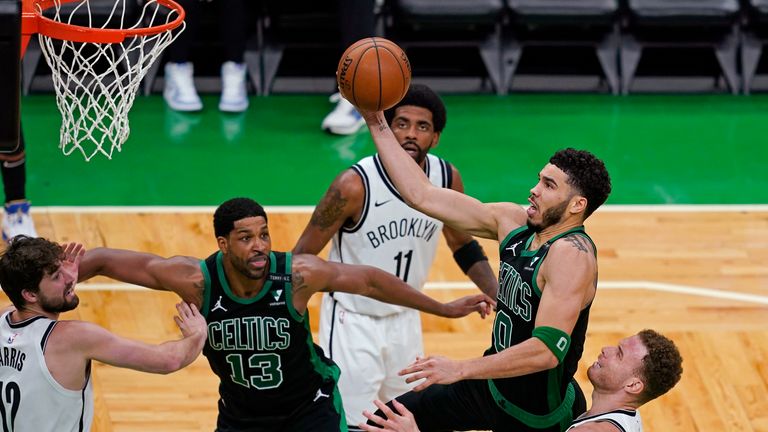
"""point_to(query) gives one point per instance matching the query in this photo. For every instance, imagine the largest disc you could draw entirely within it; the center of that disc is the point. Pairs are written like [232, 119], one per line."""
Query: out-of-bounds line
[609, 285]
[655, 208]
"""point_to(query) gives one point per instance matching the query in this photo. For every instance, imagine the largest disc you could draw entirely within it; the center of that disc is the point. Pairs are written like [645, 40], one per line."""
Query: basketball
[373, 74]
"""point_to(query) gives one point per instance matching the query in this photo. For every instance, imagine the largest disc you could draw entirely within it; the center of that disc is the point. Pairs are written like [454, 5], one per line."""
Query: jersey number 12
[10, 395]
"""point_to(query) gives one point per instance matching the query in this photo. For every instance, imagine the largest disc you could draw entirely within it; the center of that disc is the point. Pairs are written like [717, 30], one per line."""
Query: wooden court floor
[699, 277]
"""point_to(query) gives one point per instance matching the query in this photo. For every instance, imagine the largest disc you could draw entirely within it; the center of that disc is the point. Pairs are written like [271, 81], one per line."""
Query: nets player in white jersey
[45, 364]
[369, 223]
[272, 376]
[639, 369]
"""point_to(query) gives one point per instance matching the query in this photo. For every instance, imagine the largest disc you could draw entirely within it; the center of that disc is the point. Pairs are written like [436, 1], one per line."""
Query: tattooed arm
[341, 205]
[311, 274]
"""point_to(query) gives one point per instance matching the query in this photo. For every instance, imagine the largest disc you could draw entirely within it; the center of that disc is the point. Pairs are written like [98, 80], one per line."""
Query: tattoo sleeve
[329, 210]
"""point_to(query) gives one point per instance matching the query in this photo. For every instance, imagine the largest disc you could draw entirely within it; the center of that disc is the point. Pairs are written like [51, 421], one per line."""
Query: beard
[243, 268]
[59, 305]
[550, 217]
[421, 155]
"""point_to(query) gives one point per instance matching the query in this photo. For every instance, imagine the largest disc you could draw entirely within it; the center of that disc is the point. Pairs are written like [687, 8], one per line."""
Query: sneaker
[234, 96]
[180, 93]
[17, 220]
[344, 119]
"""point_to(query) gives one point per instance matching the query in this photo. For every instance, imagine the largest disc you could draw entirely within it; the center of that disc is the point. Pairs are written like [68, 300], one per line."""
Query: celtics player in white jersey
[368, 222]
[625, 377]
[45, 363]
[271, 375]
[547, 282]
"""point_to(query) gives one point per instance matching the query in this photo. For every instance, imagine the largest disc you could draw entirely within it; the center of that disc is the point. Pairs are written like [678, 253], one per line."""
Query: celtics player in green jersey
[272, 376]
[547, 281]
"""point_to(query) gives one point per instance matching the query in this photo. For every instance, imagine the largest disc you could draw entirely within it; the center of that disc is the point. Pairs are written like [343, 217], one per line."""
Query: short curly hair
[662, 367]
[233, 210]
[24, 263]
[587, 174]
[424, 97]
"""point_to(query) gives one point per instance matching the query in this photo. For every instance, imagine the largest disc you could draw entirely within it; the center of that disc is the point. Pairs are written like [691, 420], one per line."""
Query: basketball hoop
[97, 67]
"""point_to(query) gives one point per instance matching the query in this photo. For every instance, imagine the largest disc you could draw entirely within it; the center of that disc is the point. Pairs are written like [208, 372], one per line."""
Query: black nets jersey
[261, 348]
[542, 399]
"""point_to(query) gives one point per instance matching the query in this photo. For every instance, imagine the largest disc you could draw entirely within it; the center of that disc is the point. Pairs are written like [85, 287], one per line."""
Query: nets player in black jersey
[547, 281]
[272, 376]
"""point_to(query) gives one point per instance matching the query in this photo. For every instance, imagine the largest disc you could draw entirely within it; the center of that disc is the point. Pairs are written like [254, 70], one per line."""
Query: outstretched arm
[457, 210]
[341, 203]
[179, 274]
[468, 253]
[73, 342]
[311, 274]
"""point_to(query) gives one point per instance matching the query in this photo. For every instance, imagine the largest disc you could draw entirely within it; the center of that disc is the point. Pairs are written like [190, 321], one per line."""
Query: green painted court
[660, 149]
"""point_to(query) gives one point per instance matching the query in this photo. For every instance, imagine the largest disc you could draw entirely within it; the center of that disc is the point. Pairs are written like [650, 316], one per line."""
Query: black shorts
[324, 412]
[468, 405]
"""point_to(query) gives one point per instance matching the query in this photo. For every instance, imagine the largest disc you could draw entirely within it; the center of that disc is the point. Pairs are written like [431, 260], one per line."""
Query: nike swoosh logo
[378, 204]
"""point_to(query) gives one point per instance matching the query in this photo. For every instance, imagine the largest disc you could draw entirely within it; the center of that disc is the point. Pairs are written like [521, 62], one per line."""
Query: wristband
[467, 255]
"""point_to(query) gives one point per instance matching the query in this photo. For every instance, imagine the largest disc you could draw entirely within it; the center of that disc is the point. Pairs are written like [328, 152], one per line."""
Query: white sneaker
[180, 93]
[17, 220]
[344, 119]
[234, 96]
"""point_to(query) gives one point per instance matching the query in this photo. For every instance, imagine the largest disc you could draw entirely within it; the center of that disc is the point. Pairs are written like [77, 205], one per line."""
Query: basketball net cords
[96, 83]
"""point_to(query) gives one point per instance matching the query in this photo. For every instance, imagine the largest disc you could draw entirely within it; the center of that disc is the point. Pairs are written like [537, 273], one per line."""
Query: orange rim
[32, 22]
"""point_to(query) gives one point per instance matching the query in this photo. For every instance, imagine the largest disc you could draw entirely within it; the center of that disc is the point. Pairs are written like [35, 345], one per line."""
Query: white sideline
[660, 208]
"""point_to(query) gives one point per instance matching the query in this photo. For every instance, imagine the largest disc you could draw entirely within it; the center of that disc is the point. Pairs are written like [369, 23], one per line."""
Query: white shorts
[370, 351]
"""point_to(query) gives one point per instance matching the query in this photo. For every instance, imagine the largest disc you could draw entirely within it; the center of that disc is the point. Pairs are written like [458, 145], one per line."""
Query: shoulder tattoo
[329, 209]
[578, 242]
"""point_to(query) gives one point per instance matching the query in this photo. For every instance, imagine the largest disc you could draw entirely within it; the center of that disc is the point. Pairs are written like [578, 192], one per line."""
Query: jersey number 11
[399, 258]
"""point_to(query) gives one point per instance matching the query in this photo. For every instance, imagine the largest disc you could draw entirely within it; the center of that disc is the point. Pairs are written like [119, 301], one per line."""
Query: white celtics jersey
[32, 399]
[390, 235]
[623, 420]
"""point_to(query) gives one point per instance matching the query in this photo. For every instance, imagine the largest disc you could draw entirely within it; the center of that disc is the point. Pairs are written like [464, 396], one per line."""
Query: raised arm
[457, 210]
[340, 205]
[468, 253]
[311, 274]
[567, 278]
[73, 343]
[179, 274]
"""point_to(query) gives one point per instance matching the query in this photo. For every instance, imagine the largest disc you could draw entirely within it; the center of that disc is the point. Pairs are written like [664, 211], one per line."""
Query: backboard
[10, 70]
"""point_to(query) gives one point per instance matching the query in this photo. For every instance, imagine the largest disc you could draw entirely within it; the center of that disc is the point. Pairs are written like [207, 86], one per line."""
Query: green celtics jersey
[542, 399]
[260, 347]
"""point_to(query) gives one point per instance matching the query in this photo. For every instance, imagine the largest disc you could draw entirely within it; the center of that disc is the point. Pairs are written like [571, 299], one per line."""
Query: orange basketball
[373, 74]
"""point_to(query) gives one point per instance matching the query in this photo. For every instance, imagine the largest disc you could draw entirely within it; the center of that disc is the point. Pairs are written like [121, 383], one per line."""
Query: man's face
[617, 366]
[415, 131]
[549, 199]
[247, 247]
[57, 290]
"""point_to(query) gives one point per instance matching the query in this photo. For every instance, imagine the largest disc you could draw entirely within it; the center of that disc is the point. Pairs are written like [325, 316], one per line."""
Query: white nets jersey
[389, 235]
[32, 400]
[623, 420]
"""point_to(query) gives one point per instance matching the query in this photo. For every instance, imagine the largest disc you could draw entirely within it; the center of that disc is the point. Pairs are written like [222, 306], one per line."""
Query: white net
[96, 83]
